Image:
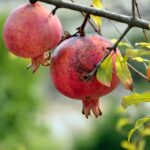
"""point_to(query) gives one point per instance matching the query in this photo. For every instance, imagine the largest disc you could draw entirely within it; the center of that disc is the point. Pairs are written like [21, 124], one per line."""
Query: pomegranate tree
[30, 31]
[72, 60]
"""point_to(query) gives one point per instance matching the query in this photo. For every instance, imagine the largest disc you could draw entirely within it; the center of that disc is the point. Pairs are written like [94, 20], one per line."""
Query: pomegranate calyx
[43, 60]
[89, 104]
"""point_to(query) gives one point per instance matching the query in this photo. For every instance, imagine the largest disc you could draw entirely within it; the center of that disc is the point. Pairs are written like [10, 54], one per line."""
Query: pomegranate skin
[31, 30]
[72, 60]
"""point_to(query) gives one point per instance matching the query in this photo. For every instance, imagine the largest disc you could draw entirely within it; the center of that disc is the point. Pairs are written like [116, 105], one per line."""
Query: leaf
[121, 123]
[136, 52]
[123, 72]
[12, 56]
[121, 43]
[135, 98]
[141, 145]
[98, 4]
[104, 72]
[97, 19]
[139, 59]
[128, 146]
[144, 44]
[148, 72]
[145, 132]
[139, 123]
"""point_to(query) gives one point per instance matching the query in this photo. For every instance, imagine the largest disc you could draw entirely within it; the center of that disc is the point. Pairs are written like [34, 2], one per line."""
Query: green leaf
[145, 132]
[128, 146]
[135, 98]
[121, 43]
[144, 44]
[139, 123]
[104, 72]
[123, 72]
[121, 123]
[136, 53]
[141, 145]
[97, 19]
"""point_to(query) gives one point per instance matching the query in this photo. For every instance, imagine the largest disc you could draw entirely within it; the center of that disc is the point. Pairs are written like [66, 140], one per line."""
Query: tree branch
[138, 72]
[130, 66]
[133, 9]
[121, 37]
[138, 12]
[102, 13]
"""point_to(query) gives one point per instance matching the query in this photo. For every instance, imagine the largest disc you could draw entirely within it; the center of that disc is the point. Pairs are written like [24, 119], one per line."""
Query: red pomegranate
[30, 31]
[72, 60]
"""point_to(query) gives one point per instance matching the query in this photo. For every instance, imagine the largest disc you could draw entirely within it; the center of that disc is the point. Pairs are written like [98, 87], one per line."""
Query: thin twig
[54, 10]
[81, 29]
[121, 37]
[138, 11]
[138, 72]
[92, 25]
[116, 28]
[133, 9]
[144, 24]
[131, 67]
[93, 72]
[32, 1]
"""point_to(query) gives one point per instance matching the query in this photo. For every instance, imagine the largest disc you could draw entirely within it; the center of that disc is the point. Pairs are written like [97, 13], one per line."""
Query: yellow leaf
[135, 98]
[145, 132]
[128, 146]
[136, 53]
[121, 43]
[143, 44]
[123, 72]
[122, 122]
[98, 4]
[12, 56]
[104, 72]
[97, 19]
[139, 59]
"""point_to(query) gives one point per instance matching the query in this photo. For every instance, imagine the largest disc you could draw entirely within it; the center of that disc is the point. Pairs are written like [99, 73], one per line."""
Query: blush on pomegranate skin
[31, 30]
[72, 60]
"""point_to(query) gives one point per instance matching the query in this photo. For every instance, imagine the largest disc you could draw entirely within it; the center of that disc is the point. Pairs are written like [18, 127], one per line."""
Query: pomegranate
[30, 31]
[72, 60]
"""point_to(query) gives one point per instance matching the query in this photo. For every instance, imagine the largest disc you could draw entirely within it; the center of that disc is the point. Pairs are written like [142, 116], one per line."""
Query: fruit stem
[32, 1]
[54, 10]
[81, 29]
[92, 25]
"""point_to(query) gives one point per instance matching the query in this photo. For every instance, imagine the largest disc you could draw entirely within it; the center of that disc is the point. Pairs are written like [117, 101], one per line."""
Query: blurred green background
[34, 116]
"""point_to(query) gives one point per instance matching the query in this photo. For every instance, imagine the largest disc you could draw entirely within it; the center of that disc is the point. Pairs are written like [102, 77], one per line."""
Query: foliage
[11, 103]
[19, 125]
[97, 4]
[105, 75]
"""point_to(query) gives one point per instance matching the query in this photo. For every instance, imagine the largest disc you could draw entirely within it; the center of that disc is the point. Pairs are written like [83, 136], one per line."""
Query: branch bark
[134, 22]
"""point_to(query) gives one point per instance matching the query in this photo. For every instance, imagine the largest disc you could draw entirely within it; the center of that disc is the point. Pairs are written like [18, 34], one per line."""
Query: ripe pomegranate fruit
[72, 60]
[30, 31]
